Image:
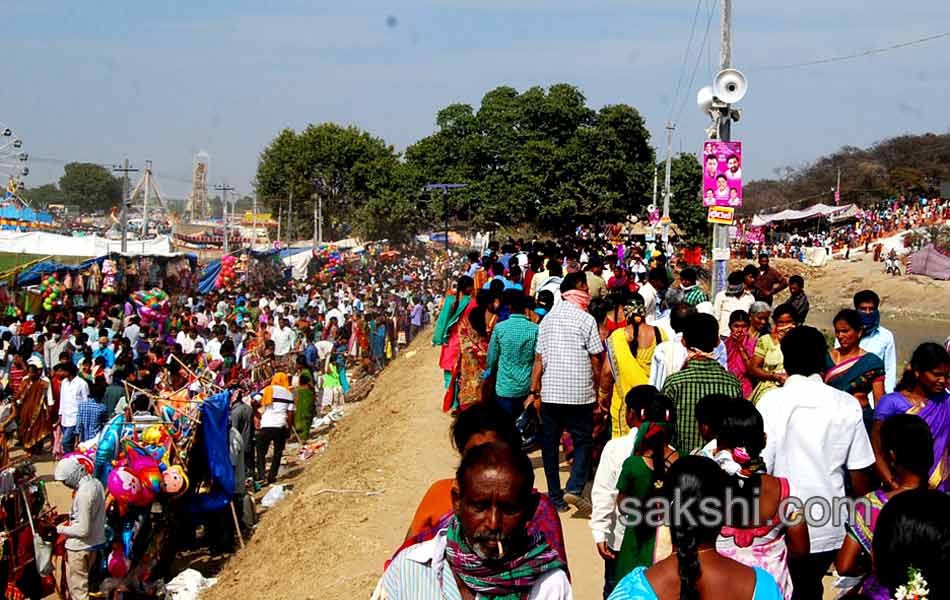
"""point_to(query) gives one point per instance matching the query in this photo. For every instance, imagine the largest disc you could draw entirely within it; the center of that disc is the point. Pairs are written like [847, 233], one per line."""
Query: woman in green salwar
[304, 399]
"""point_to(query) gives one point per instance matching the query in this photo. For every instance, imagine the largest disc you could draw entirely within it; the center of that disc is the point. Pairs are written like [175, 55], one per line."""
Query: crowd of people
[883, 220]
[664, 400]
[287, 353]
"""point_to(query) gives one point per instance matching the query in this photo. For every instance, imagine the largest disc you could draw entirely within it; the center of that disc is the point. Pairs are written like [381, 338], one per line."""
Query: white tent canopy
[818, 210]
[51, 244]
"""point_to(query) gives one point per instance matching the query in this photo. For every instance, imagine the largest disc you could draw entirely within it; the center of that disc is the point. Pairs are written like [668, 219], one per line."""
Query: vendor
[85, 533]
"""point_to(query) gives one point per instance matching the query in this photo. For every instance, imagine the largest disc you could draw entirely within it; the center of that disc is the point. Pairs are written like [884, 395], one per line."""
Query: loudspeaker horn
[730, 86]
[704, 99]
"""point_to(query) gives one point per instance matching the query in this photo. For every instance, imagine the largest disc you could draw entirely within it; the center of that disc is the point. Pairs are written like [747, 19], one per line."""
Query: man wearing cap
[769, 281]
[86, 529]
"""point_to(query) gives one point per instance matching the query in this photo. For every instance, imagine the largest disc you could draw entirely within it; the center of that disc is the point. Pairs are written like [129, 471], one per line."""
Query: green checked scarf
[511, 580]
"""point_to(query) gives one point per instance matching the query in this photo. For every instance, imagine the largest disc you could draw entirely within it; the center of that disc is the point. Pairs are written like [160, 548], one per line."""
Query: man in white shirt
[334, 313]
[73, 391]
[815, 433]
[284, 338]
[605, 523]
[733, 298]
[132, 331]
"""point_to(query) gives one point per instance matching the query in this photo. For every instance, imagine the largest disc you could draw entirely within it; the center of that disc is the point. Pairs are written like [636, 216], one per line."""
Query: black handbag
[528, 425]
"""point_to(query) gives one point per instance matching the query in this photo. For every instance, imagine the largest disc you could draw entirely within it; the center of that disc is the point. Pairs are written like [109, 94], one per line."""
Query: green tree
[541, 156]
[346, 166]
[91, 187]
[42, 196]
[686, 206]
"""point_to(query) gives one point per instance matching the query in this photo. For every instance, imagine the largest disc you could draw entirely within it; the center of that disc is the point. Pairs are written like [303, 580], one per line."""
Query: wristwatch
[534, 393]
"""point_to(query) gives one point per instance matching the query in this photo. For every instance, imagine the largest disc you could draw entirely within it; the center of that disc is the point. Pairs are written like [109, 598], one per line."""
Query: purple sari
[936, 413]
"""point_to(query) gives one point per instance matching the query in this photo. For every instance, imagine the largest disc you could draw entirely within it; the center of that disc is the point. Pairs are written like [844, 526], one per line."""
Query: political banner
[722, 173]
[721, 215]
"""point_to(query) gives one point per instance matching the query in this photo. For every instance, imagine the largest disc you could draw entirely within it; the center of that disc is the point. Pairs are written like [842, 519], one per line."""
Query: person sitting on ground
[487, 549]
[695, 570]
[911, 534]
[908, 447]
[481, 424]
[766, 542]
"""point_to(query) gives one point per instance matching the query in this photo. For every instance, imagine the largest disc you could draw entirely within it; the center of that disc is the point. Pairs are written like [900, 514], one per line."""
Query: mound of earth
[329, 539]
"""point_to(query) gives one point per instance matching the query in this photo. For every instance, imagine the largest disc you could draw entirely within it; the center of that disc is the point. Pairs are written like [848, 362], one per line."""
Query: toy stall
[163, 470]
[24, 512]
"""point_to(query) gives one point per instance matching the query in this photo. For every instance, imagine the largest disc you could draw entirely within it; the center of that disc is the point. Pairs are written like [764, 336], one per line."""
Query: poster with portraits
[722, 173]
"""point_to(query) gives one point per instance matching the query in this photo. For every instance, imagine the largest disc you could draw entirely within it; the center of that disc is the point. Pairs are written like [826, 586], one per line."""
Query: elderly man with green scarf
[486, 551]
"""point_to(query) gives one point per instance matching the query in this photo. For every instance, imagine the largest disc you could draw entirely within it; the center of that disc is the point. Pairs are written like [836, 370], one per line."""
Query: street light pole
[721, 232]
[224, 189]
[125, 169]
[445, 187]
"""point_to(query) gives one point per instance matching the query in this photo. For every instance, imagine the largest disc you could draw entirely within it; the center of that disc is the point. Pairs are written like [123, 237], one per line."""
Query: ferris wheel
[13, 162]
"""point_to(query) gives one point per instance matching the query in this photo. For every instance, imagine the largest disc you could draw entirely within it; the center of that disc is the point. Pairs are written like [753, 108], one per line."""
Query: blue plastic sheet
[214, 437]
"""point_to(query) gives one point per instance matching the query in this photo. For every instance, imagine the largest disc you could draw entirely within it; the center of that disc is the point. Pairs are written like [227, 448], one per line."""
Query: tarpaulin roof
[818, 210]
[930, 262]
[32, 274]
[210, 273]
[51, 244]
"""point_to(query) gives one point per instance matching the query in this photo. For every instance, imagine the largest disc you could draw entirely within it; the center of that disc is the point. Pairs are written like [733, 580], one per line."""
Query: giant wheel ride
[13, 163]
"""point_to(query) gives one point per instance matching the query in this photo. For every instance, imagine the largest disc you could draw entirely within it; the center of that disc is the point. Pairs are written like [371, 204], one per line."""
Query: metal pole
[655, 180]
[125, 169]
[320, 218]
[280, 216]
[254, 221]
[670, 126]
[838, 188]
[148, 172]
[445, 208]
[721, 232]
[224, 189]
[315, 234]
[290, 213]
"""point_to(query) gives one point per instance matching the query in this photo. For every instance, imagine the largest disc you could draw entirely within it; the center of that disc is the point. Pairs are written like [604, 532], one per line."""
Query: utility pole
[148, 173]
[318, 220]
[445, 187]
[125, 169]
[721, 232]
[838, 188]
[224, 189]
[655, 180]
[254, 221]
[670, 126]
[280, 216]
[290, 215]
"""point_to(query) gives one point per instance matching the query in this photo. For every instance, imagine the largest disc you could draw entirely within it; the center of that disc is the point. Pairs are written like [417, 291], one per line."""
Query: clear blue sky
[98, 81]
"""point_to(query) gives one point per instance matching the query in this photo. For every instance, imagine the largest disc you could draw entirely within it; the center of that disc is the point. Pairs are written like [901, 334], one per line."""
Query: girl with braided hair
[641, 476]
[695, 571]
[763, 542]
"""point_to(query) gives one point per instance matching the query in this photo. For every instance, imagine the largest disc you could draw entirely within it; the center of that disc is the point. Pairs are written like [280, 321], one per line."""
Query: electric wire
[699, 56]
[682, 71]
[856, 55]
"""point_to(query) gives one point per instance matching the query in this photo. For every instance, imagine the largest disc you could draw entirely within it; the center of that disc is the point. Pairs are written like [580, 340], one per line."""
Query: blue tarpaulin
[214, 437]
[33, 274]
[210, 273]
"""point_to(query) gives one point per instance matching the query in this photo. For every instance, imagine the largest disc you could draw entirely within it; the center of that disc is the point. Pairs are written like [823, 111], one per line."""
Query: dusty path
[332, 546]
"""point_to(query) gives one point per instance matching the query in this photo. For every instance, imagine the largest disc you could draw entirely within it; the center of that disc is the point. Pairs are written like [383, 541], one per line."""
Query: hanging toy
[175, 481]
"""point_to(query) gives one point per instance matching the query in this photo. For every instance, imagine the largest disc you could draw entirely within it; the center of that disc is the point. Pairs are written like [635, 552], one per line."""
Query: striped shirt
[694, 295]
[567, 338]
[511, 353]
[698, 379]
[420, 572]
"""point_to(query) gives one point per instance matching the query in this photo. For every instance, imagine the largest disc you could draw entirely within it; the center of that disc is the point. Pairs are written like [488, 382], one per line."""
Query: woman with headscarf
[474, 332]
[629, 356]
[276, 404]
[34, 424]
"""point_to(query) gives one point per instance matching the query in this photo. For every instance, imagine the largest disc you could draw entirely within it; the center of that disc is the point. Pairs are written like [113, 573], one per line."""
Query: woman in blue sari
[852, 369]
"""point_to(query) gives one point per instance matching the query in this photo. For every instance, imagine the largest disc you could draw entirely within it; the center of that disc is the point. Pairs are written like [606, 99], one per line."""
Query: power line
[689, 44]
[871, 52]
[699, 56]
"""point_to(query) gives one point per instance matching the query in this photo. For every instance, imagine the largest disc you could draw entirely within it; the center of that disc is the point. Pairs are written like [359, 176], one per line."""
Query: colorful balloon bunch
[226, 276]
[330, 260]
[53, 293]
[152, 305]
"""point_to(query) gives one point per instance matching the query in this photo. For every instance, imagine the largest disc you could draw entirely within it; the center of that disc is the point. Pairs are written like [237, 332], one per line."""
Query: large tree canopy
[90, 186]
[539, 156]
[344, 166]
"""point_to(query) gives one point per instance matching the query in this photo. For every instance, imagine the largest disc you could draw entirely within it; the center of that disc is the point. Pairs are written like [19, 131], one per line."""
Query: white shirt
[132, 333]
[421, 572]
[814, 432]
[71, 395]
[324, 349]
[724, 306]
[283, 340]
[275, 413]
[605, 522]
[213, 349]
[334, 313]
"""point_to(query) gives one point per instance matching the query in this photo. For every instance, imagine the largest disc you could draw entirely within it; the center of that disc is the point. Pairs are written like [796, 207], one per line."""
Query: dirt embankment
[330, 545]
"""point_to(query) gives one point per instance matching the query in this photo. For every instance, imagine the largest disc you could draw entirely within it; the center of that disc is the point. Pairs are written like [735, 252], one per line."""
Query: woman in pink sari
[740, 348]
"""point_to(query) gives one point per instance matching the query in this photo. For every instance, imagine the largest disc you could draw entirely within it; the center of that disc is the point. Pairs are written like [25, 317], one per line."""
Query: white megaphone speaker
[704, 99]
[730, 86]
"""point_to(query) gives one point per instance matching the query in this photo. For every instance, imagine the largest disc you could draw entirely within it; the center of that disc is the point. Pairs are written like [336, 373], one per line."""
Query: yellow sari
[628, 371]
